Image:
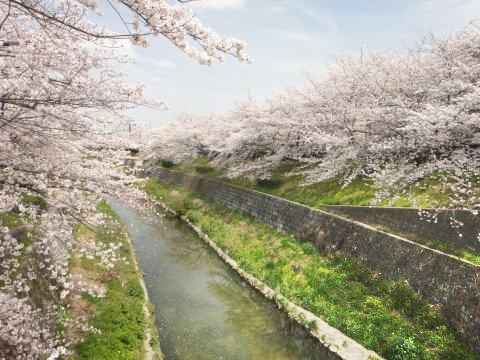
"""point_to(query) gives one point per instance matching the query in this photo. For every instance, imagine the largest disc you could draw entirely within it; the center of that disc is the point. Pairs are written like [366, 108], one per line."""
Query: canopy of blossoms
[395, 118]
[58, 91]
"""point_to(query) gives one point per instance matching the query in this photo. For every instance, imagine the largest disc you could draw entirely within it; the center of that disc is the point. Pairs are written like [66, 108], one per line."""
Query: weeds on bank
[24, 235]
[12, 218]
[459, 252]
[383, 315]
[332, 192]
[284, 183]
[119, 315]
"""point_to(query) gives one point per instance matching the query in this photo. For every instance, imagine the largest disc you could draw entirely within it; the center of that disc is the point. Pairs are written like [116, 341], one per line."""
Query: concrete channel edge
[337, 343]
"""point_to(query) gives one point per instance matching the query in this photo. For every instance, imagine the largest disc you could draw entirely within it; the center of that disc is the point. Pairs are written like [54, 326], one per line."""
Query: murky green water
[204, 310]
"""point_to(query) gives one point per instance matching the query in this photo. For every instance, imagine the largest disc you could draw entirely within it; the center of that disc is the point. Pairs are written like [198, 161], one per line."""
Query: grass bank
[457, 251]
[332, 192]
[22, 228]
[120, 315]
[429, 193]
[385, 316]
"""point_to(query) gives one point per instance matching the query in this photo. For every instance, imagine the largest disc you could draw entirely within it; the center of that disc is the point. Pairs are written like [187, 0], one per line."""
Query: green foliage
[122, 323]
[468, 255]
[119, 315]
[281, 183]
[383, 315]
[152, 187]
[284, 182]
[183, 204]
[260, 153]
[441, 246]
[328, 192]
[269, 183]
[134, 289]
[107, 210]
[200, 166]
[10, 220]
[404, 349]
[403, 297]
[204, 169]
[167, 164]
[35, 200]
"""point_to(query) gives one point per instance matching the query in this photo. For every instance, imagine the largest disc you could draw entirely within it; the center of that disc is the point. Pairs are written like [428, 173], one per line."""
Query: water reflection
[204, 310]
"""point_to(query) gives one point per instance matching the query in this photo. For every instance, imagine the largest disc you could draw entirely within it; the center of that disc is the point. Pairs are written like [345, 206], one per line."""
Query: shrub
[203, 169]
[167, 164]
[404, 349]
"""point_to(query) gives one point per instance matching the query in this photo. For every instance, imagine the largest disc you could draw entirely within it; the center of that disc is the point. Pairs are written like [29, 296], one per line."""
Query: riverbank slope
[122, 319]
[382, 315]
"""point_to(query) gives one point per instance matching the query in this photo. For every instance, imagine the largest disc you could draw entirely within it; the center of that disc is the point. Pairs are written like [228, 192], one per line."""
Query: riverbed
[203, 309]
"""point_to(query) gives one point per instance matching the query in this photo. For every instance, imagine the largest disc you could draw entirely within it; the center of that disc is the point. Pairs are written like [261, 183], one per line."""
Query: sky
[287, 38]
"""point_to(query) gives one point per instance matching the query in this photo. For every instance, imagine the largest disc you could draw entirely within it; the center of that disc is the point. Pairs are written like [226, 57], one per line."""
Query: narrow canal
[203, 309]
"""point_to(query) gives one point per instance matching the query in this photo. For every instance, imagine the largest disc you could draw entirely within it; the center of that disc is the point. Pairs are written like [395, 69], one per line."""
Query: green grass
[361, 191]
[35, 200]
[383, 315]
[200, 166]
[282, 184]
[441, 246]
[10, 220]
[429, 193]
[449, 249]
[119, 315]
[25, 236]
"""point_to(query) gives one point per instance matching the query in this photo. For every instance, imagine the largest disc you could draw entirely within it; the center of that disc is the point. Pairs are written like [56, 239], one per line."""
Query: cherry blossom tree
[394, 118]
[58, 91]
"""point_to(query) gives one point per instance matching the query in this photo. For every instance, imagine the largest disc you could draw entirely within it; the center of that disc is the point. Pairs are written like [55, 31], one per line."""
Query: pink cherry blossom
[395, 119]
[59, 91]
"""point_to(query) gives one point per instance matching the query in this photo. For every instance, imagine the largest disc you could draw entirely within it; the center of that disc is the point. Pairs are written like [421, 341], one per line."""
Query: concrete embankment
[440, 278]
[205, 311]
[455, 227]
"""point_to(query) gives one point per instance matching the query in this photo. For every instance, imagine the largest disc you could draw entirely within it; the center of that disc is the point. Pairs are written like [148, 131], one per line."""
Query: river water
[203, 309]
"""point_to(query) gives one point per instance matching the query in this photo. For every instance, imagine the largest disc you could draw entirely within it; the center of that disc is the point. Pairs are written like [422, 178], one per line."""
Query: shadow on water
[204, 310]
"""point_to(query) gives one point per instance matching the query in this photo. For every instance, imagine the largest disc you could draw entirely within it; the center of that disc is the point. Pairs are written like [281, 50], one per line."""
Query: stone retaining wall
[440, 278]
[431, 224]
[336, 345]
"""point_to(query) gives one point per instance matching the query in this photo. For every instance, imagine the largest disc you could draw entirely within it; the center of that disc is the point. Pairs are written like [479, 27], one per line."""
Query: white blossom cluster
[107, 255]
[24, 326]
[395, 118]
[179, 25]
[58, 87]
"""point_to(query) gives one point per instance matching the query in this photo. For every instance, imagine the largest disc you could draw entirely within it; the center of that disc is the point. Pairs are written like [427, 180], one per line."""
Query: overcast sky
[286, 38]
